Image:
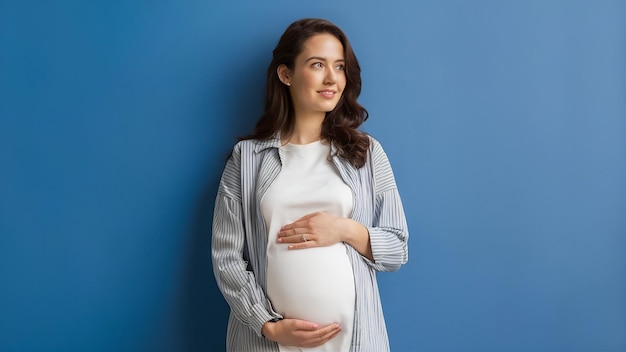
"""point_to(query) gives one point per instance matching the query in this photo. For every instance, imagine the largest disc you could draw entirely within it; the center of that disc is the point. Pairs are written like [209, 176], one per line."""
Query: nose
[331, 77]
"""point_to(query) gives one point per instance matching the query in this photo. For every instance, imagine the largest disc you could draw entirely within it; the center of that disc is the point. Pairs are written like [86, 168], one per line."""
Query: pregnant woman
[307, 209]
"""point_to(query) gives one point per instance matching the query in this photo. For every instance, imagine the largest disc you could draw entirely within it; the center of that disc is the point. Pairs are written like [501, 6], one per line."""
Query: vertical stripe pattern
[239, 242]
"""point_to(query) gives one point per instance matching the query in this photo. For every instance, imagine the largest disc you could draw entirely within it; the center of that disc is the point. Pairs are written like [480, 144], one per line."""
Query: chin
[330, 107]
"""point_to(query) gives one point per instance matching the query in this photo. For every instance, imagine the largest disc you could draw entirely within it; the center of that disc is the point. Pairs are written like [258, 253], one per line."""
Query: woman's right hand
[299, 333]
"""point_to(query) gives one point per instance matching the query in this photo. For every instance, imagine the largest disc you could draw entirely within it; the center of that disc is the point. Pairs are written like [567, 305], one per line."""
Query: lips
[328, 93]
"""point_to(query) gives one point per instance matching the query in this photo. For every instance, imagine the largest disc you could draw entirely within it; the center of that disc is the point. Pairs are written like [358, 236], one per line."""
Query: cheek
[310, 79]
[341, 82]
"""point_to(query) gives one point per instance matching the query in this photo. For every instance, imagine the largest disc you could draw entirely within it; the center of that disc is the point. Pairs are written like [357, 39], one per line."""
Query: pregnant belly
[314, 284]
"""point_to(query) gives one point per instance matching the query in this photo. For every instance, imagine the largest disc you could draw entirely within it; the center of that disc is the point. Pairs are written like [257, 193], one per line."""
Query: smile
[327, 93]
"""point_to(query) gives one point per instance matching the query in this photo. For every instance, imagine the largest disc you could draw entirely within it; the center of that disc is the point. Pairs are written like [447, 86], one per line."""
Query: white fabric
[314, 284]
[239, 242]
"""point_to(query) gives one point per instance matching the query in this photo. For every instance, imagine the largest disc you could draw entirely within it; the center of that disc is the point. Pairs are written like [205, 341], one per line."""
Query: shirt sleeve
[389, 232]
[237, 284]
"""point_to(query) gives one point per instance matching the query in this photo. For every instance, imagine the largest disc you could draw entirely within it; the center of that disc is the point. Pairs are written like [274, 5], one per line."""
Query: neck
[306, 129]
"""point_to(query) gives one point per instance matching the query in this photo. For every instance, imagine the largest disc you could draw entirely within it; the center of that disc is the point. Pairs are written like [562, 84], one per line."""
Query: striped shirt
[239, 242]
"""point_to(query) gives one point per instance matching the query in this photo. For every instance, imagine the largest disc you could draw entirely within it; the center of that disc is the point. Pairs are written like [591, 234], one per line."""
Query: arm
[238, 285]
[358, 236]
[389, 231]
[300, 333]
[322, 229]
[383, 245]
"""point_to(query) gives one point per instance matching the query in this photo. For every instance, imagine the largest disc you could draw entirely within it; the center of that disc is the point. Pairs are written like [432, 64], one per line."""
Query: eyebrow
[322, 59]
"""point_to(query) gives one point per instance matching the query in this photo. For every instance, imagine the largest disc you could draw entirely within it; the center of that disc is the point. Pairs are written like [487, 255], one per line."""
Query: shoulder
[245, 144]
[381, 167]
[373, 141]
[376, 149]
[256, 145]
[250, 152]
[247, 148]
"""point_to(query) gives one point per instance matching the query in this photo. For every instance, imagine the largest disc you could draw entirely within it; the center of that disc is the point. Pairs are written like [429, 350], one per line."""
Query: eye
[340, 67]
[317, 65]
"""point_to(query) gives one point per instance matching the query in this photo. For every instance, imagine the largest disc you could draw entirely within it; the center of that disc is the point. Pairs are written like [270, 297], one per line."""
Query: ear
[284, 75]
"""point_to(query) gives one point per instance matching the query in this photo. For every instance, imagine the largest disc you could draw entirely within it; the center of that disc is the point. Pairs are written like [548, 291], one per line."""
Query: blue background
[505, 122]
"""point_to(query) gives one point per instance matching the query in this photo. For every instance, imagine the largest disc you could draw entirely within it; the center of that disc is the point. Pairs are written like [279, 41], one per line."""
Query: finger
[323, 335]
[300, 243]
[294, 226]
[309, 244]
[322, 340]
[288, 233]
[328, 328]
[300, 238]
[302, 222]
[305, 325]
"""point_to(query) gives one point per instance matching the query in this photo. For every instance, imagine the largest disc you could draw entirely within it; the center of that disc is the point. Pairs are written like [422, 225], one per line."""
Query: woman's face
[318, 78]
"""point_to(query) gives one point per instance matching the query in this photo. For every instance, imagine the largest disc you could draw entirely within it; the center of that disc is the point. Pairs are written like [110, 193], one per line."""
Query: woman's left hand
[318, 229]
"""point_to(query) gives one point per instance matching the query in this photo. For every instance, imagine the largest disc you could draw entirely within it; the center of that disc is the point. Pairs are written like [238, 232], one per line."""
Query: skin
[318, 72]
[319, 67]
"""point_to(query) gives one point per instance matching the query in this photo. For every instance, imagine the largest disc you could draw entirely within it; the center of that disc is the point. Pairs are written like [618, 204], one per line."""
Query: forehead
[322, 45]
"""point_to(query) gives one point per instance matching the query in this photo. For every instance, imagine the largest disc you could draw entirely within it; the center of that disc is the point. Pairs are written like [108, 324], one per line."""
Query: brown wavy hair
[340, 126]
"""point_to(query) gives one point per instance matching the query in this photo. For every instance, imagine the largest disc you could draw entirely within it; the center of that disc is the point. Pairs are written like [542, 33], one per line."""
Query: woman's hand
[321, 229]
[299, 333]
[313, 230]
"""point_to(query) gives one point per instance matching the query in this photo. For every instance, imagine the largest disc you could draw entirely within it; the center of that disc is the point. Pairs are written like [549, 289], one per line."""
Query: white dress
[314, 284]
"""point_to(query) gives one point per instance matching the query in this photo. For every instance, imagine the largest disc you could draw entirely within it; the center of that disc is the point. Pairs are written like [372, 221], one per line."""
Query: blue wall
[505, 122]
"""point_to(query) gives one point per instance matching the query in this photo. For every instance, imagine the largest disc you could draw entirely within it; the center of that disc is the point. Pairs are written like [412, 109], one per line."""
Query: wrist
[267, 330]
[357, 235]
[353, 232]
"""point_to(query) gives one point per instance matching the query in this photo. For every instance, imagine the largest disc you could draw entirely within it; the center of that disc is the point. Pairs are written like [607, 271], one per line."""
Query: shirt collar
[273, 142]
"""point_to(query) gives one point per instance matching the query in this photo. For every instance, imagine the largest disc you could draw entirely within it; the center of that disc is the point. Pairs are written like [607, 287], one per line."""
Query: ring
[303, 238]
